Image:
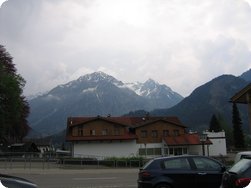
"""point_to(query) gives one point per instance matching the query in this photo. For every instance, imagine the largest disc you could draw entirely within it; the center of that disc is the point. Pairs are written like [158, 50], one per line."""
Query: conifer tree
[228, 130]
[214, 124]
[238, 136]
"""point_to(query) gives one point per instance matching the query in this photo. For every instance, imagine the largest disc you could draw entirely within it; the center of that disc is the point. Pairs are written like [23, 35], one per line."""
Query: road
[81, 178]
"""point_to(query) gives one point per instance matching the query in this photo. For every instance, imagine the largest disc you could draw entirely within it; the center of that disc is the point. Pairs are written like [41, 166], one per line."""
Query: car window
[206, 164]
[178, 164]
[240, 166]
[147, 164]
[152, 164]
[245, 156]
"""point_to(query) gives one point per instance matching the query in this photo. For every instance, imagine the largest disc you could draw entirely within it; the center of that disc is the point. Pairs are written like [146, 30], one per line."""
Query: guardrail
[31, 161]
[13, 162]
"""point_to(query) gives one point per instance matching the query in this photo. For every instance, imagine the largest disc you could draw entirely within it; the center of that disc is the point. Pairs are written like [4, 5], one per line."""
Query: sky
[182, 44]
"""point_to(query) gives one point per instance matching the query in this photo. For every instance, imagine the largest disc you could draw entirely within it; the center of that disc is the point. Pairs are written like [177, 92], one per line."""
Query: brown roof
[172, 120]
[241, 96]
[124, 120]
[185, 139]
[101, 138]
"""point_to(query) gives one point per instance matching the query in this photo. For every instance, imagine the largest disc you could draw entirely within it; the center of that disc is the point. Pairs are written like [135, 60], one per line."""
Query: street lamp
[203, 139]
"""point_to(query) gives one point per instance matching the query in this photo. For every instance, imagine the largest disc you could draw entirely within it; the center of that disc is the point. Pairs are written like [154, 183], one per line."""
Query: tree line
[235, 136]
[14, 108]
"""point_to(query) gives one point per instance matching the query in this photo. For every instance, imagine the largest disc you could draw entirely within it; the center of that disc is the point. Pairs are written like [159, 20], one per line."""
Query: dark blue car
[15, 182]
[181, 171]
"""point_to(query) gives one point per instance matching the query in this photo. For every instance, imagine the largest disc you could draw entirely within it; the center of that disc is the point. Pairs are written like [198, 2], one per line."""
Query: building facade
[100, 137]
[218, 146]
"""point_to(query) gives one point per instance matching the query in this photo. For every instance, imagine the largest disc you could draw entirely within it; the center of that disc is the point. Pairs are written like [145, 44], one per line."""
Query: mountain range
[100, 94]
[96, 94]
[211, 98]
[196, 110]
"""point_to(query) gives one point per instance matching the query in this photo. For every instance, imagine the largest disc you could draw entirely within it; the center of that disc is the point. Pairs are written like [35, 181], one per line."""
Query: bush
[126, 161]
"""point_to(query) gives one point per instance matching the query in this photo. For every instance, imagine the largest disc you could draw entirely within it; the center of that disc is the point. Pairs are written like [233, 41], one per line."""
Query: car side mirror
[223, 168]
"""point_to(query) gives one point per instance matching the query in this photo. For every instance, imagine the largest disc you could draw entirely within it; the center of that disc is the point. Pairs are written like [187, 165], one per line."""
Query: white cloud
[178, 43]
[1, 2]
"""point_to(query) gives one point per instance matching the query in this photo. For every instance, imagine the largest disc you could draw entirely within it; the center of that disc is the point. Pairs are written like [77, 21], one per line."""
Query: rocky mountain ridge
[96, 94]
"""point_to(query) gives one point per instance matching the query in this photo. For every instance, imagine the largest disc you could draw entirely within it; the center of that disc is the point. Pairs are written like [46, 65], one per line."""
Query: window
[150, 151]
[165, 133]
[170, 151]
[157, 151]
[243, 165]
[185, 151]
[80, 131]
[116, 131]
[154, 133]
[142, 151]
[144, 133]
[166, 151]
[177, 164]
[206, 164]
[177, 151]
[176, 132]
[92, 132]
[104, 132]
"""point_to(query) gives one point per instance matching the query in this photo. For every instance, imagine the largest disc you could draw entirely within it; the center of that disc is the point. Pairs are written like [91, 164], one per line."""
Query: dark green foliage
[214, 124]
[238, 136]
[228, 130]
[124, 161]
[14, 109]
[138, 113]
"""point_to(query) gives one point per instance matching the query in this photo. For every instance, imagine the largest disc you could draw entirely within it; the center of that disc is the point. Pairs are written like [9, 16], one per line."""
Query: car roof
[178, 156]
[244, 152]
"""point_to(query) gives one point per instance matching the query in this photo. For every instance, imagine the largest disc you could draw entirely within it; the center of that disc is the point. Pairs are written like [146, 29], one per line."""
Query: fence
[31, 161]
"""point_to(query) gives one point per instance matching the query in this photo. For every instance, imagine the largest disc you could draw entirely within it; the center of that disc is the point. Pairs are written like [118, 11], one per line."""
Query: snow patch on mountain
[88, 90]
[151, 89]
[52, 97]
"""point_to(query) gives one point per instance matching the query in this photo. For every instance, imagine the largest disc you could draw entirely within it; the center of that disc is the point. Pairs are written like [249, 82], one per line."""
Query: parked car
[15, 182]
[238, 176]
[181, 171]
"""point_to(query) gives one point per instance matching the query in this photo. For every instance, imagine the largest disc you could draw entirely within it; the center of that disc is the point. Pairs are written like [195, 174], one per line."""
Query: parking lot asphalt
[78, 178]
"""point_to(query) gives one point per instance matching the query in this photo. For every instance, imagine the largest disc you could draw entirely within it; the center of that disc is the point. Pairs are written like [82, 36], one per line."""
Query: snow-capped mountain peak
[151, 82]
[99, 76]
[151, 89]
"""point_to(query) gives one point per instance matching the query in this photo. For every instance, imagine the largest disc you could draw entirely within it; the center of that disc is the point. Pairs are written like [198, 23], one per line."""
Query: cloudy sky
[180, 43]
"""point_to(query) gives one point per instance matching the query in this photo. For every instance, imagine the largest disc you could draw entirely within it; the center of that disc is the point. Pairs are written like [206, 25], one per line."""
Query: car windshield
[240, 166]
